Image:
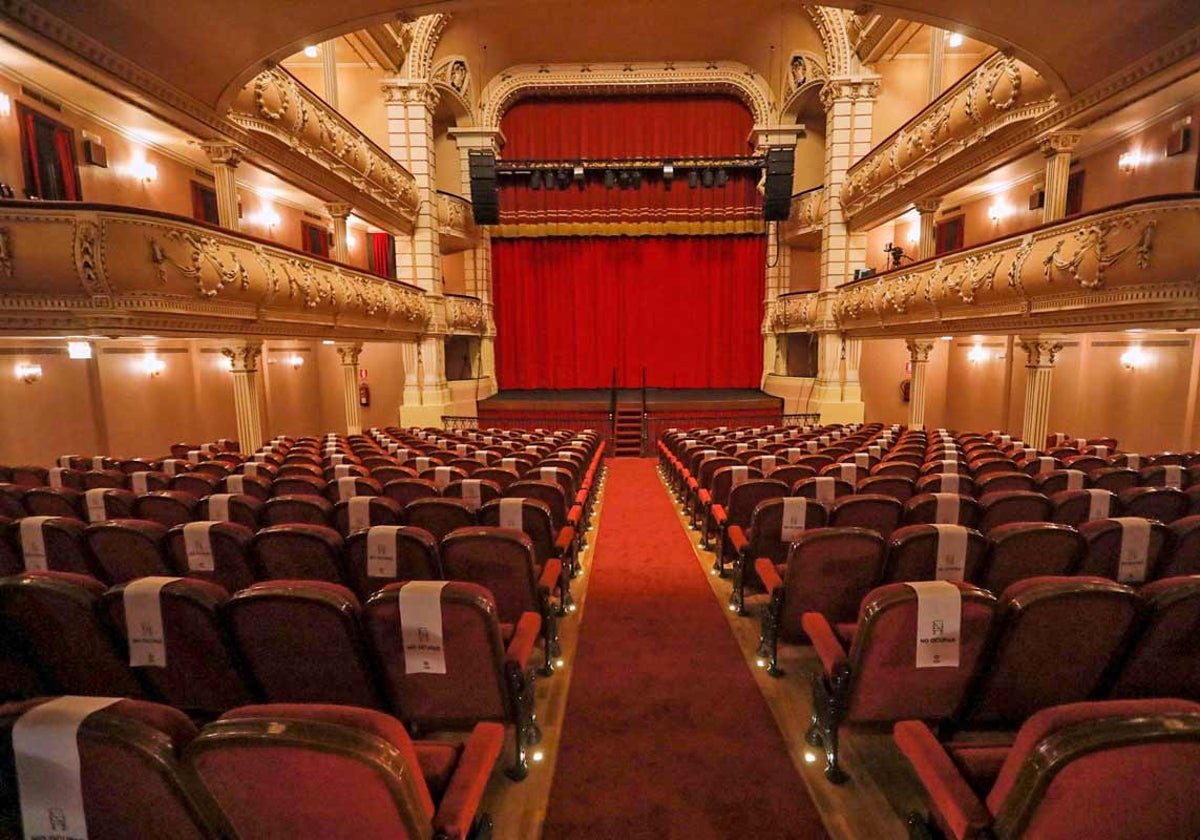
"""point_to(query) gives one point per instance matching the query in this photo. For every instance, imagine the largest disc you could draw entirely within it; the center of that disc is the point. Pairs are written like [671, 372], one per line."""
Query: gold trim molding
[456, 224]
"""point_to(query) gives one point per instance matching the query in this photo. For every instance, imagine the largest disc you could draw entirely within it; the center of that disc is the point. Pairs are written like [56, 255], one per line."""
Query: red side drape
[63, 142]
[687, 308]
[382, 260]
[31, 153]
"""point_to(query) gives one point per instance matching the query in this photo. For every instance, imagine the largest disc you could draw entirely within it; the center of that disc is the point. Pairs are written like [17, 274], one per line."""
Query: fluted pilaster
[918, 355]
[247, 401]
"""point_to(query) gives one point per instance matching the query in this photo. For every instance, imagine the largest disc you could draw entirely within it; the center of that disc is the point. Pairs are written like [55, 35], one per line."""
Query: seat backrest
[384, 554]
[298, 485]
[1022, 550]
[1165, 659]
[472, 685]
[364, 511]
[1118, 769]
[299, 509]
[125, 549]
[1115, 478]
[1166, 504]
[1074, 507]
[1057, 641]
[438, 516]
[888, 684]
[197, 483]
[1127, 549]
[867, 510]
[535, 521]
[747, 495]
[242, 508]
[896, 486]
[824, 489]
[502, 560]
[1184, 550]
[302, 642]
[1002, 508]
[129, 769]
[166, 507]
[196, 668]
[214, 551]
[942, 509]
[56, 621]
[289, 770]
[53, 501]
[830, 571]
[258, 486]
[297, 552]
[51, 543]
[936, 552]
[405, 490]
[476, 492]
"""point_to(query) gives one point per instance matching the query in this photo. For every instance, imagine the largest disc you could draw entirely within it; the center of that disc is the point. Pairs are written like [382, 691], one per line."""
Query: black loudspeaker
[777, 194]
[485, 199]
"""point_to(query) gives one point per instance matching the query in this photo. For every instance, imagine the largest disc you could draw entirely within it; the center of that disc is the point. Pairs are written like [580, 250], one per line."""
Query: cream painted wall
[881, 369]
[805, 270]
[809, 170]
[454, 273]
[48, 418]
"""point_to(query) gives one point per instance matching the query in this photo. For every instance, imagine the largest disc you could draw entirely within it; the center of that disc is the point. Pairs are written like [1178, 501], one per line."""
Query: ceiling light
[311, 52]
[955, 40]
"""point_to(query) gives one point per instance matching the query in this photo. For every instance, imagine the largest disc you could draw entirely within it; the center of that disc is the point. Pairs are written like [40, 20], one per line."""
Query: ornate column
[348, 353]
[247, 402]
[329, 72]
[1041, 353]
[410, 104]
[927, 208]
[918, 355]
[937, 58]
[1057, 147]
[340, 211]
[225, 158]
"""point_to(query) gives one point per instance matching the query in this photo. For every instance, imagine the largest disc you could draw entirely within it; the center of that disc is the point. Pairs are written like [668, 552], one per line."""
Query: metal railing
[801, 419]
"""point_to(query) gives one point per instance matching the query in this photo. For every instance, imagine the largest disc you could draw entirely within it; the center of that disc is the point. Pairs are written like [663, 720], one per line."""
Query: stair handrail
[612, 410]
[645, 415]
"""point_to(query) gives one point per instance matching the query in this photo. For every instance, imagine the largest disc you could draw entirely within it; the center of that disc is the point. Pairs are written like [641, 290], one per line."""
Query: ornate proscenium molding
[274, 103]
[466, 314]
[81, 268]
[1130, 264]
[807, 216]
[794, 312]
[456, 223]
[526, 80]
[997, 96]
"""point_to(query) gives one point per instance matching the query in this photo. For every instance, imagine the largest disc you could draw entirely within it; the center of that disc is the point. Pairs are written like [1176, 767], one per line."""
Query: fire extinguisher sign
[362, 374]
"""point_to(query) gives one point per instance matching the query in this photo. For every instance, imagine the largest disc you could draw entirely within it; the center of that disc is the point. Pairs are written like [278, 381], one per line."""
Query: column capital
[243, 356]
[349, 352]
[765, 136]
[848, 89]
[410, 92]
[919, 349]
[477, 137]
[1059, 142]
[221, 152]
[929, 204]
[1040, 350]
[339, 209]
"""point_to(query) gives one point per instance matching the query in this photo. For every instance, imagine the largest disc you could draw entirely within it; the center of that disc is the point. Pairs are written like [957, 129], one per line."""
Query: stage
[664, 408]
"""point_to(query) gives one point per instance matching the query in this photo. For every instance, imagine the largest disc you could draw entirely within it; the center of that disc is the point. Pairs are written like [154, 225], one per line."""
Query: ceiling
[208, 48]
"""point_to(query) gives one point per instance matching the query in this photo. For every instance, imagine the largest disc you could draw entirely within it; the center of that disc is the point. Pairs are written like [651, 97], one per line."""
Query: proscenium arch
[792, 100]
[458, 102]
[516, 83]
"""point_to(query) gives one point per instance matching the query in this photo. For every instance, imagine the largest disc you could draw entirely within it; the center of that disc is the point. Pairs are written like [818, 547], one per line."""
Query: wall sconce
[998, 211]
[977, 354]
[28, 372]
[1135, 357]
[311, 52]
[152, 365]
[265, 217]
[79, 350]
[143, 171]
[5, 105]
[914, 236]
[1128, 162]
[296, 361]
[226, 364]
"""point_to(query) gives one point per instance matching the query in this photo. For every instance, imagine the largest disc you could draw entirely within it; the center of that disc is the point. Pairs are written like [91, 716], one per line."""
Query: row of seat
[261, 771]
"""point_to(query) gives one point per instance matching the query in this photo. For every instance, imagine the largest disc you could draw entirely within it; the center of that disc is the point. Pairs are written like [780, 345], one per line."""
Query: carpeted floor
[666, 735]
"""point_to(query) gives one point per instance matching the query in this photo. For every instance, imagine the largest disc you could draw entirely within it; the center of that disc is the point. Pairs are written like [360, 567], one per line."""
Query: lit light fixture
[914, 236]
[329, 342]
[955, 40]
[311, 51]
[152, 365]
[998, 211]
[1128, 161]
[537, 756]
[947, 338]
[977, 354]
[351, 240]
[1134, 358]
[79, 350]
[28, 372]
[143, 171]
[265, 217]
[296, 361]
[5, 105]
[810, 757]
[226, 363]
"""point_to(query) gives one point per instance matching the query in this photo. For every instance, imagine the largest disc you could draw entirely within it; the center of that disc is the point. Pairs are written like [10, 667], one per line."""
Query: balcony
[467, 314]
[456, 223]
[308, 136]
[803, 227]
[942, 147]
[1132, 264]
[793, 312]
[73, 268]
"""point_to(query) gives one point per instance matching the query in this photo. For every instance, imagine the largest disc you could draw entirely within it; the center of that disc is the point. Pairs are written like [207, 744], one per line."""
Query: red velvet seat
[502, 560]
[258, 486]
[130, 774]
[740, 506]
[405, 490]
[1113, 550]
[364, 511]
[302, 642]
[62, 547]
[297, 552]
[1121, 770]
[341, 774]
[1023, 550]
[1057, 481]
[1008, 481]
[197, 483]
[1161, 474]
[242, 509]
[110, 478]
[1058, 639]
[823, 488]
[200, 673]
[874, 512]
[484, 675]
[298, 485]
[941, 509]
[415, 555]
[828, 570]
[475, 491]
[1114, 478]
[878, 679]
[54, 501]
[342, 488]
[55, 618]
[438, 516]
[898, 487]
[1166, 504]
[1183, 553]
[125, 549]
[298, 509]
[166, 507]
[1003, 508]
[1164, 661]
[219, 552]
[958, 483]
[1074, 507]
[935, 552]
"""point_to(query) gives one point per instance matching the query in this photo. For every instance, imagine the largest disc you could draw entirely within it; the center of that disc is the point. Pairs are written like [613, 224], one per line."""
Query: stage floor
[657, 400]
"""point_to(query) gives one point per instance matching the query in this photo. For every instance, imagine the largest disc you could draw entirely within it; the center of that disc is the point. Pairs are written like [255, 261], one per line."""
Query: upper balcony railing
[793, 312]
[466, 313]
[276, 104]
[1134, 263]
[456, 223]
[70, 267]
[996, 97]
[807, 214]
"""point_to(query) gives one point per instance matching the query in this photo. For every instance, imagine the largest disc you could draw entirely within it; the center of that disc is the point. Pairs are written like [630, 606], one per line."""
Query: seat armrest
[456, 812]
[737, 537]
[704, 496]
[549, 579]
[523, 640]
[719, 516]
[768, 574]
[566, 539]
[958, 809]
[825, 642]
[573, 516]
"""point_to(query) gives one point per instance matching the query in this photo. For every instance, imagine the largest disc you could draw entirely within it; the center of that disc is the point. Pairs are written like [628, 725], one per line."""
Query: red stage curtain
[687, 308]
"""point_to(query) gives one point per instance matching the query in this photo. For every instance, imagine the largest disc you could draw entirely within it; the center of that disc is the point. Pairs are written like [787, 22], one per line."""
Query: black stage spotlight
[706, 178]
[564, 178]
[610, 179]
[721, 178]
[693, 178]
[535, 180]
[635, 179]
[623, 179]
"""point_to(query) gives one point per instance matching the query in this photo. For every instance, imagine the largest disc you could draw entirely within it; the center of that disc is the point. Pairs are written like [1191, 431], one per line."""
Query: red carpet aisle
[666, 734]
